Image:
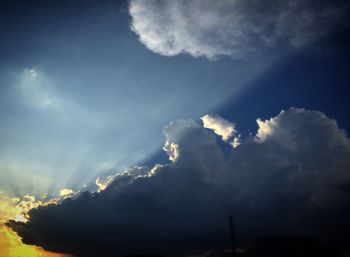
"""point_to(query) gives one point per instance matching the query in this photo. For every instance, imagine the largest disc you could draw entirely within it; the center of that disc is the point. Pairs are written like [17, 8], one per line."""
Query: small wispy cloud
[38, 90]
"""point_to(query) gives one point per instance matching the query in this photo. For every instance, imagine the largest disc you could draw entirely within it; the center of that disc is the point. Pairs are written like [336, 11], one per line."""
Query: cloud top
[220, 126]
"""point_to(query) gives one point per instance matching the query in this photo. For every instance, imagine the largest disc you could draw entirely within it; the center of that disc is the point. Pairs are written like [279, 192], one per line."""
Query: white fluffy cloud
[232, 28]
[304, 150]
[220, 126]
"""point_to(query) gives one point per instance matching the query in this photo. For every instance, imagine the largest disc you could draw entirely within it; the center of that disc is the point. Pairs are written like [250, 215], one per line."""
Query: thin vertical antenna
[233, 237]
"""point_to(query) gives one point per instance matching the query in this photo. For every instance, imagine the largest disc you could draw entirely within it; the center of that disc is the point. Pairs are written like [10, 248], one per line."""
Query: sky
[113, 112]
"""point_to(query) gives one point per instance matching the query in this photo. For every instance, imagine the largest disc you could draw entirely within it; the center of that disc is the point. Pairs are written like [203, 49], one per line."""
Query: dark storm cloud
[232, 28]
[290, 178]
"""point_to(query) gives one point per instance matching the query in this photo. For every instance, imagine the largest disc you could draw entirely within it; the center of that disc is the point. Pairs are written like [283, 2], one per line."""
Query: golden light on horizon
[10, 243]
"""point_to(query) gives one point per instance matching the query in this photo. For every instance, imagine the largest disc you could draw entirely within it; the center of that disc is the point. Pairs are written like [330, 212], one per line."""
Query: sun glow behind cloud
[17, 209]
[66, 192]
[298, 174]
[60, 134]
[93, 103]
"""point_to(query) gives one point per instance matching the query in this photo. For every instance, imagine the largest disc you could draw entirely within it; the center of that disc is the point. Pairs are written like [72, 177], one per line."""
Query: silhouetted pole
[233, 237]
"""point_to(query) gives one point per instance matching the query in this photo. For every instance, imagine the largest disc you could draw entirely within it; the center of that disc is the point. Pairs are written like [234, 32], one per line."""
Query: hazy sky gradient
[80, 96]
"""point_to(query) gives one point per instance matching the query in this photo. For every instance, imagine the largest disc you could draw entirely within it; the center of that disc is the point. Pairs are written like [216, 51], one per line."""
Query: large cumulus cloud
[292, 178]
[234, 28]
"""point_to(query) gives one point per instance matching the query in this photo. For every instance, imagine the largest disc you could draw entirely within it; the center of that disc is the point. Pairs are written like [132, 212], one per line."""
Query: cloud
[220, 126]
[10, 242]
[291, 177]
[172, 150]
[236, 142]
[66, 192]
[103, 183]
[232, 28]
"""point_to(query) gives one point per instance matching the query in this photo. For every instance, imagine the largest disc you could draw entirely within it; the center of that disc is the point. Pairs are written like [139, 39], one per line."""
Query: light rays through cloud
[60, 141]
[282, 168]
[118, 116]
[64, 128]
[11, 244]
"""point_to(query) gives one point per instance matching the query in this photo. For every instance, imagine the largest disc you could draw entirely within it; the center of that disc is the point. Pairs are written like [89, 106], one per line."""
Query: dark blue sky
[314, 78]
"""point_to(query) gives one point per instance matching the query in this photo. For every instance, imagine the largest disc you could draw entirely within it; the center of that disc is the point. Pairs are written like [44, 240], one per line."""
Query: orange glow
[10, 243]
[12, 246]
